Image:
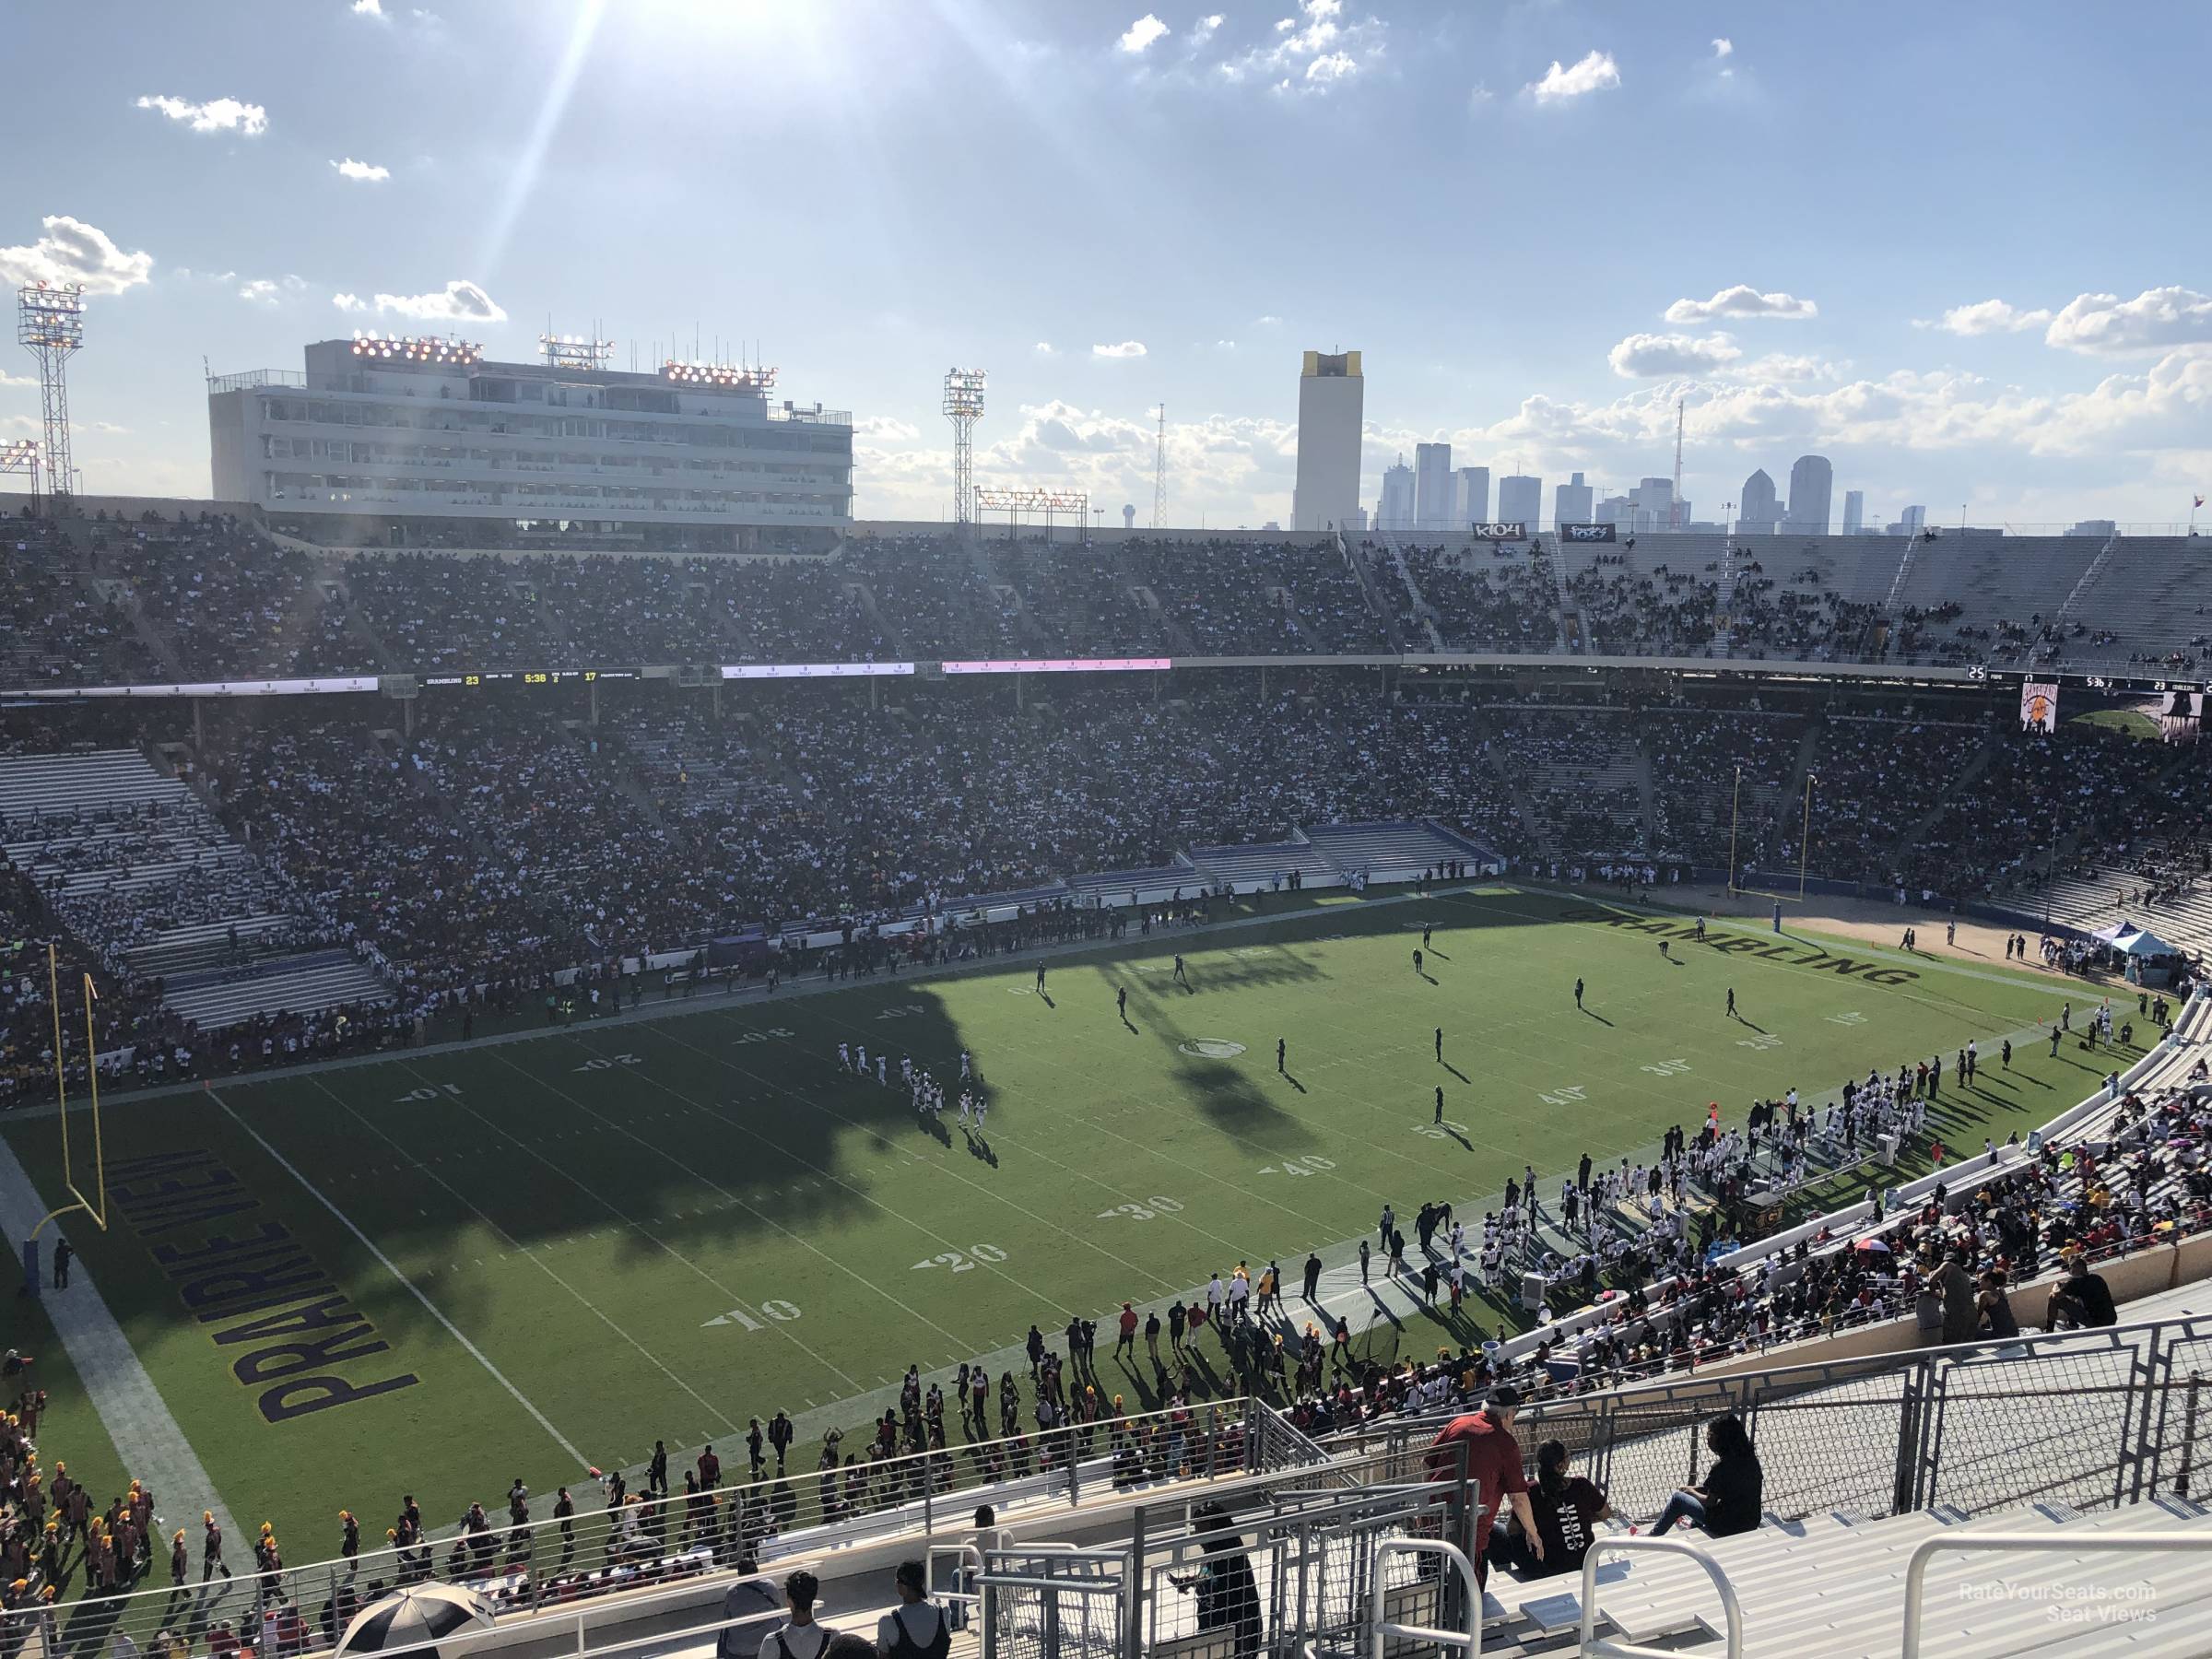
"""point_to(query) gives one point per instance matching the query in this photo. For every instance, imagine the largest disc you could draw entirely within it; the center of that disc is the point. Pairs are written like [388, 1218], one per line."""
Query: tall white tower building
[1331, 398]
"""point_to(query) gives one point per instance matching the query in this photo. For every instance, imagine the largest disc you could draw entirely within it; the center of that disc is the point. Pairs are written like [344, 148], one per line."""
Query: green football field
[439, 1272]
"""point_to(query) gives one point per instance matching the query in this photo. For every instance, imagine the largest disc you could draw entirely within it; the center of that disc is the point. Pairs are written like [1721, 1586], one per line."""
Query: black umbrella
[410, 1617]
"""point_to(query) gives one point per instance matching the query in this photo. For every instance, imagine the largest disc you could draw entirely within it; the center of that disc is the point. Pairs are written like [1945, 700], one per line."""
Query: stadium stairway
[1831, 1587]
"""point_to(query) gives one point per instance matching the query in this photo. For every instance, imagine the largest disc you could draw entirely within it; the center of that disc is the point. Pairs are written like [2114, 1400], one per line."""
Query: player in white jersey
[963, 1065]
[982, 1106]
[883, 1068]
[844, 1056]
[964, 1109]
[864, 1059]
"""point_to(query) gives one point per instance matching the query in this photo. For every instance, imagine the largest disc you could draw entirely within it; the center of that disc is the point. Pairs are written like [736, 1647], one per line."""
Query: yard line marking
[600, 1198]
[392, 1267]
[905, 1307]
[1161, 1284]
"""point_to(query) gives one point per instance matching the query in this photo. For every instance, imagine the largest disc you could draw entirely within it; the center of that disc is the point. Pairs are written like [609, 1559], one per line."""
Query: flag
[2200, 501]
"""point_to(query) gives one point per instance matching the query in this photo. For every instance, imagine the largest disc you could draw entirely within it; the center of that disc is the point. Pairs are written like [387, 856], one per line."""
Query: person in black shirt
[2081, 1298]
[1567, 1509]
[1729, 1501]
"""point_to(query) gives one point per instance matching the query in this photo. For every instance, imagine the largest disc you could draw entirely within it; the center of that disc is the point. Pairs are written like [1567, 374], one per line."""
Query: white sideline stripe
[392, 1267]
[153, 1448]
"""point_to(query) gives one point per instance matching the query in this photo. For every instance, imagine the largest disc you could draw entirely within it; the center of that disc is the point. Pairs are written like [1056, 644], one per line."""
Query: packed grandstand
[528, 777]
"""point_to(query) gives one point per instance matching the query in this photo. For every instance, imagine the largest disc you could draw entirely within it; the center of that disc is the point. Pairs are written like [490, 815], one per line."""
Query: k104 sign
[1514, 529]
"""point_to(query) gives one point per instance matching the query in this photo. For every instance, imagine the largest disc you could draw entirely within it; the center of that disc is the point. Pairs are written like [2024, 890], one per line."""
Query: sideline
[153, 1448]
[392, 1267]
[758, 997]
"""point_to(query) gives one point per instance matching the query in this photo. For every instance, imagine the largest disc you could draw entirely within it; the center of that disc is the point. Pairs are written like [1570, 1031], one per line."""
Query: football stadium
[608, 1048]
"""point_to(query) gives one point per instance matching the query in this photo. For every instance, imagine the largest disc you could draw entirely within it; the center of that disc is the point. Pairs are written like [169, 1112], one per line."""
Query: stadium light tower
[22, 456]
[50, 325]
[963, 407]
[576, 351]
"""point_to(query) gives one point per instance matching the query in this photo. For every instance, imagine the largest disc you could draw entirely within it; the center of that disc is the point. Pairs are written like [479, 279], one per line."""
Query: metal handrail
[2064, 1543]
[1382, 1631]
[546, 1566]
[1594, 1647]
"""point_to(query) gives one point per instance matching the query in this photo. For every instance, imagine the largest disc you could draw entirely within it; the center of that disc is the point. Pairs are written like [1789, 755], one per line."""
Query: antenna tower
[50, 325]
[963, 407]
[1674, 509]
[1160, 473]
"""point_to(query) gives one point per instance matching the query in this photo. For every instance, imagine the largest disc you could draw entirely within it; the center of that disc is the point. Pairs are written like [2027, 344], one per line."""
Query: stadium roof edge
[1716, 668]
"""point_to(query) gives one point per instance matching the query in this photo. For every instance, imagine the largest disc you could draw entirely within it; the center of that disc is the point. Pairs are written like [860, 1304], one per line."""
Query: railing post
[1133, 1637]
[1908, 1441]
[2180, 1483]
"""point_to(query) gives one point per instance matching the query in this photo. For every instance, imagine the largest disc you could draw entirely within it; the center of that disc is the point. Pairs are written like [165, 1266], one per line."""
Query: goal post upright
[96, 1209]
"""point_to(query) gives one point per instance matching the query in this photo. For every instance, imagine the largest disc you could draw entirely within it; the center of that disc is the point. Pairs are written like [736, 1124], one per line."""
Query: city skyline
[228, 194]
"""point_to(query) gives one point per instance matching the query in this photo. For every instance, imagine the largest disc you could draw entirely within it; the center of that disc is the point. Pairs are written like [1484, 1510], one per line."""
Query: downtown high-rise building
[1331, 398]
[1812, 483]
[1394, 510]
[1520, 500]
[1855, 512]
[1471, 499]
[1759, 512]
[1432, 486]
[1571, 503]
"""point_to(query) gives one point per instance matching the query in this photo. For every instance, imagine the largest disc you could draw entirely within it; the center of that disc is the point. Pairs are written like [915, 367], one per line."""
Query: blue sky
[1961, 249]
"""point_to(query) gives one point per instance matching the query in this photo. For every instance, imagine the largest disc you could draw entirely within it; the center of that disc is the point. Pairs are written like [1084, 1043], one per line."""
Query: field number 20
[960, 1262]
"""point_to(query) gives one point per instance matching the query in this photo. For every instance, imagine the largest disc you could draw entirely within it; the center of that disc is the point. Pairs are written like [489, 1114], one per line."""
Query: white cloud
[1986, 316]
[16, 380]
[1268, 321]
[1313, 51]
[217, 115]
[260, 291]
[1225, 345]
[886, 426]
[1142, 33]
[1043, 348]
[1127, 348]
[1649, 356]
[1203, 32]
[1722, 46]
[2155, 320]
[74, 252]
[367, 172]
[1241, 469]
[369, 8]
[459, 301]
[1480, 95]
[1742, 300]
[1778, 365]
[1593, 73]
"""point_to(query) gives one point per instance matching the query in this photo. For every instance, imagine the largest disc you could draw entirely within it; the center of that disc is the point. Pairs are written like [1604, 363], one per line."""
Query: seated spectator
[2081, 1301]
[1730, 1500]
[1567, 1509]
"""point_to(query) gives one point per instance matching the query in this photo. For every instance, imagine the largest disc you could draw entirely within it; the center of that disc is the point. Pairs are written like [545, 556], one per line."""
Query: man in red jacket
[1493, 1467]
